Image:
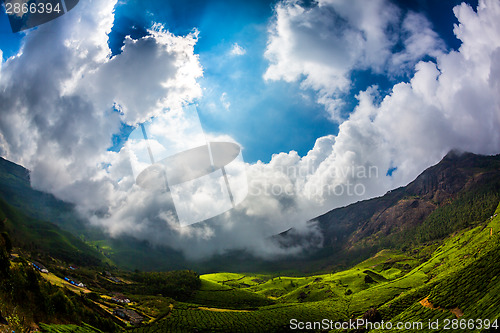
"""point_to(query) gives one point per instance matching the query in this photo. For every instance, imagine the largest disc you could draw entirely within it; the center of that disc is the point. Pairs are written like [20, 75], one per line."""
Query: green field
[457, 277]
[454, 281]
[445, 269]
[69, 329]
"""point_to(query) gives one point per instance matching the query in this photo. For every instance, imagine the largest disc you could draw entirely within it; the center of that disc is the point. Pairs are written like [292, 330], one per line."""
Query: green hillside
[459, 192]
[128, 253]
[29, 298]
[45, 239]
[436, 260]
[451, 282]
[454, 281]
[16, 190]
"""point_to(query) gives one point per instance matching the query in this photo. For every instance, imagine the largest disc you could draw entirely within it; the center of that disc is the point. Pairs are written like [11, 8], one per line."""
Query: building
[111, 277]
[40, 267]
[115, 280]
[120, 298]
[129, 315]
[74, 282]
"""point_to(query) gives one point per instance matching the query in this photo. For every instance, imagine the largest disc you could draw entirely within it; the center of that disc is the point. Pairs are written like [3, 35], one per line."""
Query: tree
[4, 256]
[8, 242]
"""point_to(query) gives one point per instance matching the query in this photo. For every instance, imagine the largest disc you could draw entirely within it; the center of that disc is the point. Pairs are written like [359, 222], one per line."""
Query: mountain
[39, 207]
[432, 251]
[42, 238]
[458, 192]
[452, 195]
[16, 190]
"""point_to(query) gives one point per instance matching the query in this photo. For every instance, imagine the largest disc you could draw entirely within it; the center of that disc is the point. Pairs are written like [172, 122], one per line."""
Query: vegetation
[44, 238]
[220, 296]
[85, 328]
[177, 284]
[27, 298]
[467, 210]
[444, 265]
[437, 281]
[458, 278]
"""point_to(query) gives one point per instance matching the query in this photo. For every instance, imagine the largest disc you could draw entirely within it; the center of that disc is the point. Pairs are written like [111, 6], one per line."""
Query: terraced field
[69, 329]
[458, 279]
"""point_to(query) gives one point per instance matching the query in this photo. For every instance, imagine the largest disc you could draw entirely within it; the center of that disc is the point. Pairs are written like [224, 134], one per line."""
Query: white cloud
[57, 118]
[163, 78]
[321, 44]
[452, 104]
[58, 94]
[237, 50]
[418, 39]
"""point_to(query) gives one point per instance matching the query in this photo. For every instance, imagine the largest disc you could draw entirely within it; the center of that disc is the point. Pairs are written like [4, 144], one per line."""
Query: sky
[331, 101]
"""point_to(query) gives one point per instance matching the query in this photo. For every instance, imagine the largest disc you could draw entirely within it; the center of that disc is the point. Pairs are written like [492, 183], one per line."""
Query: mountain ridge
[361, 229]
[447, 271]
[350, 234]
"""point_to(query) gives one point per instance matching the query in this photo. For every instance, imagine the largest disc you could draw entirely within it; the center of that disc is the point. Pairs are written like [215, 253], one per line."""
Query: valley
[440, 265]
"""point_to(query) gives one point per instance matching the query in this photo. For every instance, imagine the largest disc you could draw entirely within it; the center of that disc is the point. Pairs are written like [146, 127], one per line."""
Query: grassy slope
[459, 272]
[46, 238]
[16, 190]
[69, 329]
[463, 275]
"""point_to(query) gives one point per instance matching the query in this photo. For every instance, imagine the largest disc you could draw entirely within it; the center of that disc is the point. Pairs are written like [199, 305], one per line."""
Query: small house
[40, 267]
[129, 315]
[74, 282]
[115, 280]
[120, 298]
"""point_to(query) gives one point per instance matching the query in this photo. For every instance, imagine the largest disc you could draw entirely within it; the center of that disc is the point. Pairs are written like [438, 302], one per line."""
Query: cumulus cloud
[450, 103]
[63, 97]
[150, 75]
[322, 43]
[419, 40]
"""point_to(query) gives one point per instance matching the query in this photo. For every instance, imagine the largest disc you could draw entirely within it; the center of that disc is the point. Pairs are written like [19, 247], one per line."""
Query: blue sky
[316, 88]
[261, 114]
[266, 117]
